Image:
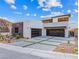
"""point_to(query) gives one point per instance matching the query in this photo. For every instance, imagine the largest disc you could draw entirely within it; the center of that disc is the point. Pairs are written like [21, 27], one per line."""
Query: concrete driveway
[43, 43]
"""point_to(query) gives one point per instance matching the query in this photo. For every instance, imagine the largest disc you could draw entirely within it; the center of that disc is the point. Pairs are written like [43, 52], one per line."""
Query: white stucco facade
[67, 31]
[29, 24]
[57, 24]
[55, 19]
[43, 32]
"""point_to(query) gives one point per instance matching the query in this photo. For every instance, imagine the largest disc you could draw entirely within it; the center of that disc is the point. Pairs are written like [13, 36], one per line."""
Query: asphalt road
[7, 54]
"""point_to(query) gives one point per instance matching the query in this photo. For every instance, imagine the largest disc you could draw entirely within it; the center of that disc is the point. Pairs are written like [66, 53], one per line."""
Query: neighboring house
[74, 32]
[5, 26]
[53, 26]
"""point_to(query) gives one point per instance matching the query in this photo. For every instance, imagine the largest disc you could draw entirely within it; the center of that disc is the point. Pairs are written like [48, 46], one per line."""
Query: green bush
[7, 36]
[1, 37]
[18, 37]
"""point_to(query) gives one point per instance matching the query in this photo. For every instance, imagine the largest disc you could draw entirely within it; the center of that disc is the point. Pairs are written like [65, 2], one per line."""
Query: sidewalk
[7, 54]
[32, 53]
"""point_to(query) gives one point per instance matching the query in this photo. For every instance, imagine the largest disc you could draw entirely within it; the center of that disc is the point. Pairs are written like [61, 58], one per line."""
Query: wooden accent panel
[47, 21]
[63, 19]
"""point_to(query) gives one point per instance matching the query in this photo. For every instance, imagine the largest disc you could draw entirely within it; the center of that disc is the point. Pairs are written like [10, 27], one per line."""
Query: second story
[61, 20]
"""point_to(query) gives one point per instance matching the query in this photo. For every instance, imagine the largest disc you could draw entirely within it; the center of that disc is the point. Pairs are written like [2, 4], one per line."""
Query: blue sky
[15, 10]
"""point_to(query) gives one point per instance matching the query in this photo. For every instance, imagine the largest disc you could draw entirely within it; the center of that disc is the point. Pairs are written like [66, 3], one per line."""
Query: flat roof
[62, 15]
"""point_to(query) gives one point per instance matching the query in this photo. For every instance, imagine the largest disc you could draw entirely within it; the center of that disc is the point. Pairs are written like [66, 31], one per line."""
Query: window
[47, 21]
[16, 30]
[64, 19]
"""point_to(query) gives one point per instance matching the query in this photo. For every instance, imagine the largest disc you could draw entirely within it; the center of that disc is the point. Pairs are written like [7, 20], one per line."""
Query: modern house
[53, 26]
[74, 32]
[5, 26]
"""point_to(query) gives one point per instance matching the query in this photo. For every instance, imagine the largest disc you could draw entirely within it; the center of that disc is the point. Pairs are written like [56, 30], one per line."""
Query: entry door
[55, 32]
[36, 32]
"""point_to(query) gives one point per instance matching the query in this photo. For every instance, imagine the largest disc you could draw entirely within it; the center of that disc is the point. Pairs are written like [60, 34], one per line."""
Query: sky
[16, 10]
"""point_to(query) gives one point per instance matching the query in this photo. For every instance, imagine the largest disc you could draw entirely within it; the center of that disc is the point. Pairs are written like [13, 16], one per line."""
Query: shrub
[74, 50]
[18, 36]
[7, 36]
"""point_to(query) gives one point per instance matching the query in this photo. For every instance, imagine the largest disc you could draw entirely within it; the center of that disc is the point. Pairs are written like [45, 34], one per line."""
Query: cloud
[13, 7]
[53, 14]
[47, 4]
[76, 3]
[47, 16]
[44, 9]
[25, 7]
[53, 3]
[35, 14]
[28, 14]
[18, 13]
[10, 1]
[32, 0]
[76, 10]
[41, 2]
[3, 17]
[57, 13]
[69, 11]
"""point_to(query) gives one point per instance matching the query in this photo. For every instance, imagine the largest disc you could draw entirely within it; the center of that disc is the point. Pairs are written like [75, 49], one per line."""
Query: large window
[47, 21]
[63, 19]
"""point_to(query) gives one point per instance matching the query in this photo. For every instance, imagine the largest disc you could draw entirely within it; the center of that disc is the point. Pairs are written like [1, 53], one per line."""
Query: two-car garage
[59, 32]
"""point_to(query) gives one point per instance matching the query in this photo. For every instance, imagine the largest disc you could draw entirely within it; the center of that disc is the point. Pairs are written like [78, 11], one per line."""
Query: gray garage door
[55, 32]
[36, 32]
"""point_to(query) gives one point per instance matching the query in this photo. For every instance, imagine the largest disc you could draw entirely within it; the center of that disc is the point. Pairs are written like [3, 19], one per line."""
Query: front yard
[57, 44]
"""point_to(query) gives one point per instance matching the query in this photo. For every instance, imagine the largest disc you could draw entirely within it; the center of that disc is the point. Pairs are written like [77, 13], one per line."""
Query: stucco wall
[55, 19]
[27, 25]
